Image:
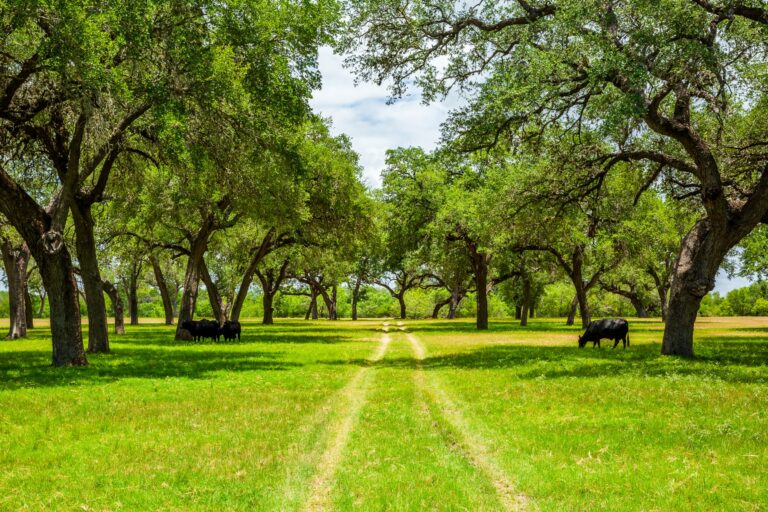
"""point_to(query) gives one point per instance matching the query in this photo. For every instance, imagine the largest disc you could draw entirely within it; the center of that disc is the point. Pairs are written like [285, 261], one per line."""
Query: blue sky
[361, 111]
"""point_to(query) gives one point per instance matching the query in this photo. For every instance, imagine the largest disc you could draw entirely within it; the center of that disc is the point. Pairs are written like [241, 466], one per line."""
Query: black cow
[209, 329]
[202, 329]
[230, 330]
[612, 328]
[191, 326]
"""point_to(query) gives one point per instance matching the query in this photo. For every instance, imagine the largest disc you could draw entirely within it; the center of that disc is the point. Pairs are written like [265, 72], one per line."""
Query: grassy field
[428, 415]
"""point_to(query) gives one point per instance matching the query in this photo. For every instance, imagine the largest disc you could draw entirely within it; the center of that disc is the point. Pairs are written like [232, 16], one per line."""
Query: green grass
[164, 425]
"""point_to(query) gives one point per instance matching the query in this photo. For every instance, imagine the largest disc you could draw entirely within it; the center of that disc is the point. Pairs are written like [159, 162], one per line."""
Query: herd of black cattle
[205, 329]
[615, 329]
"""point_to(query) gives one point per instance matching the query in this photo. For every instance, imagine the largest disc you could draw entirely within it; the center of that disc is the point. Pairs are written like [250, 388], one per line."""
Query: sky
[361, 111]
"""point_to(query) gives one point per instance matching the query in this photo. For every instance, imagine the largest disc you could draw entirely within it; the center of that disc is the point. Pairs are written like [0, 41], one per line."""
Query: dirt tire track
[473, 448]
[353, 394]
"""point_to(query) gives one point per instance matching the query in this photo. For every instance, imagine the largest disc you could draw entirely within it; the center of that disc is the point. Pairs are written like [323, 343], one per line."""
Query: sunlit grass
[165, 425]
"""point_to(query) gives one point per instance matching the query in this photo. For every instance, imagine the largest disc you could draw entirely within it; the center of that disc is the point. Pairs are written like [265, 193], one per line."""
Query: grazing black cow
[193, 326]
[230, 330]
[612, 328]
[202, 329]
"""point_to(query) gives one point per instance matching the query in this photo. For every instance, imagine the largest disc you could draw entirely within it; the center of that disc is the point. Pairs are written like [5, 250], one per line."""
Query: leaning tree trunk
[15, 260]
[572, 311]
[214, 297]
[438, 306]
[117, 306]
[330, 301]
[266, 246]
[162, 286]
[518, 311]
[85, 243]
[694, 274]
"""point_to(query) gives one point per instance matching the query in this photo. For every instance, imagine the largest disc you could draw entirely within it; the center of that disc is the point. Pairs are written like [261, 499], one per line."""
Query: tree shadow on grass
[510, 326]
[725, 359]
[23, 369]
[163, 336]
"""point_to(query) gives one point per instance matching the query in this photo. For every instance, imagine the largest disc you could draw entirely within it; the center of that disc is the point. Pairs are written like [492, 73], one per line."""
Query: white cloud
[362, 113]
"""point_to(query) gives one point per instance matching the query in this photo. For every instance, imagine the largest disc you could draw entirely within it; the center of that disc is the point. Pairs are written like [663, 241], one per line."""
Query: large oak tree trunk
[85, 243]
[191, 282]
[117, 306]
[162, 286]
[59, 280]
[701, 253]
[15, 260]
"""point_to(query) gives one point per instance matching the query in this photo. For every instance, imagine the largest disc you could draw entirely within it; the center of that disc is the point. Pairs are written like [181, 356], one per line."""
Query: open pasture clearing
[429, 415]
